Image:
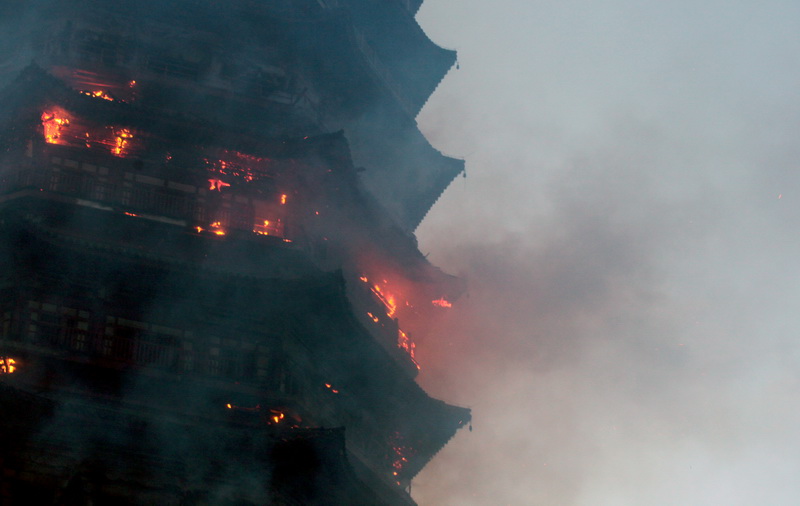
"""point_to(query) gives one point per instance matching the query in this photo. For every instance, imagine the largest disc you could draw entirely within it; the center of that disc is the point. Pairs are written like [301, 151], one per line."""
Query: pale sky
[628, 230]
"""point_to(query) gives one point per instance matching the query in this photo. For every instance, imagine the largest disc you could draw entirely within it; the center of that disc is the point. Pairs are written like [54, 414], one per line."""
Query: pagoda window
[173, 66]
[172, 204]
[76, 329]
[188, 362]
[5, 325]
[142, 197]
[213, 361]
[107, 345]
[266, 81]
[127, 194]
[187, 357]
[118, 341]
[103, 191]
[38, 323]
[140, 342]
[60, 326]
[69, 181]
[241, 216]
[103, 47]
[262, 363]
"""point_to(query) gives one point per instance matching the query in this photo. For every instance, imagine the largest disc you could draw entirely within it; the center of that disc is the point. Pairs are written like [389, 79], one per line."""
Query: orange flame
[98, 94]
[391, 305]
[7, 365]
[248, 409]
[54, 122]
[262, 229]
[239, 165]
[217, 228]
[442, 302]
[217, 184]
[122, 140]
[283, 199]
[387, 299]
[269, 228]
[405, 343]
[402, 453]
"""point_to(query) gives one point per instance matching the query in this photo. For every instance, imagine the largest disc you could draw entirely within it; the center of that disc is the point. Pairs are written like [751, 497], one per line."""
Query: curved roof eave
[426, 201]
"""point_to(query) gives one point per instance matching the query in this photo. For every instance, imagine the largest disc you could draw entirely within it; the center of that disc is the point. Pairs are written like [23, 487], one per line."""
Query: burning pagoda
[210, 283]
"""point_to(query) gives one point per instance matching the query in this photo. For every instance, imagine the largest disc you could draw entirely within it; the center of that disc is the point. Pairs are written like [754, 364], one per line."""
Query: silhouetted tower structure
[206, 218]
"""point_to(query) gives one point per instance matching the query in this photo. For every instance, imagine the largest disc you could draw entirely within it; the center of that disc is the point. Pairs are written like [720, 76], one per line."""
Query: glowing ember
[122, 139]
[405, 343]
[283, 199]
[98, 94]
[373, 317]
[276, 416]
[441, 302]
[402, 453]
[262, 229]
[391, 305]
[216, 228]
[254, 409]
[239, 165]
[7, 365]
[330, 387]
[269, 227]
[364, 279]
[62, 128]
[387, 299]
[217, 184]
[54, 123]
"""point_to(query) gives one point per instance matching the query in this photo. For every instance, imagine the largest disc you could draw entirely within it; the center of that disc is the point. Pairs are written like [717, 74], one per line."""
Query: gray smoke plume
[627, 229]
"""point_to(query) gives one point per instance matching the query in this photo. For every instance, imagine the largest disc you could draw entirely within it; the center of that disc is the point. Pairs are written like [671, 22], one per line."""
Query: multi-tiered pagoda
[210, 286]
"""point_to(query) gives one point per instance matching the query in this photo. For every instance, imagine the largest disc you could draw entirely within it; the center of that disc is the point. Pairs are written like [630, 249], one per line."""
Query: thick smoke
[627, 232]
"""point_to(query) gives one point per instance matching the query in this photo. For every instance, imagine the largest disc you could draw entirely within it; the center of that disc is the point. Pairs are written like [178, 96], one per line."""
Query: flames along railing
[136, 192]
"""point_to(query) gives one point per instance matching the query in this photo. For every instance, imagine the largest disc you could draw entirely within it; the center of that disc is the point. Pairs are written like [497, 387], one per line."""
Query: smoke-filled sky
[628, 228]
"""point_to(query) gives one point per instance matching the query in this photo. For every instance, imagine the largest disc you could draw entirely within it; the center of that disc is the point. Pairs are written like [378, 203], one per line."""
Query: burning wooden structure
[202, 289]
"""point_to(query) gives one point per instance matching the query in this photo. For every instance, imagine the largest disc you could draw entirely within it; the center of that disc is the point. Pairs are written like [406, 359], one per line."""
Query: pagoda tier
[279, 68]
[104, 453]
